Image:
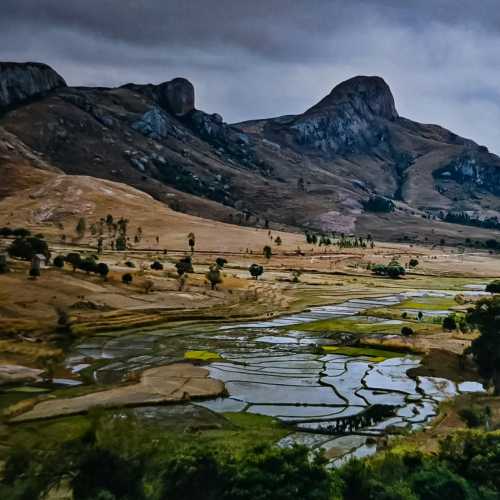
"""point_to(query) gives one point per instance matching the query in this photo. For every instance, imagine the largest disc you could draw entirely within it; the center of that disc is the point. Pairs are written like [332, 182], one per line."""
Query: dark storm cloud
[268, 57]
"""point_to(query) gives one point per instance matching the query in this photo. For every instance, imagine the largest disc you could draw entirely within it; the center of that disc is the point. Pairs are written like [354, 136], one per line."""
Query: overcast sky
[259, 58]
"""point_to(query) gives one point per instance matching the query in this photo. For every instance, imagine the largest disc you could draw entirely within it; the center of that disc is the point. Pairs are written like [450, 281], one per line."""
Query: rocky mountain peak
[366, 94]
[20, 82]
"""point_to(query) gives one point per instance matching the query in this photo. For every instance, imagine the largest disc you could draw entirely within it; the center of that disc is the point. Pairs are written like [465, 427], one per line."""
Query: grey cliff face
[20, 82]
[350, 118]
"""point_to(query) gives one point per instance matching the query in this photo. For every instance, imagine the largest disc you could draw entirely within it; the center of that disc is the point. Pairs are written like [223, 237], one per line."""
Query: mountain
[330, 168]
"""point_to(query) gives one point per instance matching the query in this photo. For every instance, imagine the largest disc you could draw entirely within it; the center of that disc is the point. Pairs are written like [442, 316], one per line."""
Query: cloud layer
[273, 57]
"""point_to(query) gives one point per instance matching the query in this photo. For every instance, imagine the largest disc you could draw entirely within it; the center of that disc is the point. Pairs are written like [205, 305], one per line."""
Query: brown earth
[166, 384]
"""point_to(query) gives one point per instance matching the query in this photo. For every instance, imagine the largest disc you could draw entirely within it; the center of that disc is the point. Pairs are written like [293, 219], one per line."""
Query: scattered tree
[406, 331]
[185, 265]
[27, 248]
[121, 244]
[486, 348]
[59, 261]
[256, 271]
[221, 262]
[278, 241]
[74, 260]
[214, 275]
[81, 227]
[267, 251]
[413, 263]
[102, 269]
[493, 287]
[449, 323]
[191, 241]
[4, 266]
[157, 266]
[127, 278]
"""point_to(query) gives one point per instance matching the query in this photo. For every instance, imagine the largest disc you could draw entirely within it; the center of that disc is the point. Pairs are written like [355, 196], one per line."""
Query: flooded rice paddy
[331, 401]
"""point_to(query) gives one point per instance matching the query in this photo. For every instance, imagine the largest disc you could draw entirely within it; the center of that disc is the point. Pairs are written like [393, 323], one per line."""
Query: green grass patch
[202, 356]
[376, 354]
[428, 303]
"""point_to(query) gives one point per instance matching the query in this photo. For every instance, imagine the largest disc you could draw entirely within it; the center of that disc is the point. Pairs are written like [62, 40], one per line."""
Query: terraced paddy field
[316, 378]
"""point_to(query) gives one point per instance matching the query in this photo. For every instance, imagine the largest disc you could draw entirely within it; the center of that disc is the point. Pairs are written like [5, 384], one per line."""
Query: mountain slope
[317, 169]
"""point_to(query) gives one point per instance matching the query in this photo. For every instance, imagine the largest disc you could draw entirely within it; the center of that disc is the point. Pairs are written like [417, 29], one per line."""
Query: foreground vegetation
[130, 464]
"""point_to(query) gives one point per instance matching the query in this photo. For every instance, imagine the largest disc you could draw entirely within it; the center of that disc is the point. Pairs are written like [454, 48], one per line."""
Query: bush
[449, 323]
[129, 263]
[255, 270]
[102, 269]
[59, 261]
[493, 287]
[475, 416]
[407, 331]
[121, 244]
[4, 266]
[89, 265]
[413, 263]
[27, 248]
[379, 204]
[156, 266]
[21, 232]
[221, 262]
[74, 260]
[5, 232]
[185, 265]
[127, 278]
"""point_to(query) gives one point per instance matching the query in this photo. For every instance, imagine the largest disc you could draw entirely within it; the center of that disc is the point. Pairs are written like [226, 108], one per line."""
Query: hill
[348, 164]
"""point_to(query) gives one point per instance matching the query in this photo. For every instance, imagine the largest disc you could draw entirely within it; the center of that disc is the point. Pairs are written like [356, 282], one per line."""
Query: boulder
[177, 96]
[20, 82]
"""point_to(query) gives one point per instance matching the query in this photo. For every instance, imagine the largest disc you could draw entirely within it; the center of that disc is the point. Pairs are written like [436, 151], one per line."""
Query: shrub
[102, 269]
[221, 262]
[27, 248]
[156, 266]
[121, 244]
[74, 260]
[493, 287]
[449, 323]
[4, 266]
[413, 263]
[255, 270]
[21, 232]
[185, 265]
[267, 251]
[59, 261]
[89, 265]
[5, 232]
[407, 331]
[127, 278]
[475, 416]
[379, 204]
[214, 275]
[129, 263]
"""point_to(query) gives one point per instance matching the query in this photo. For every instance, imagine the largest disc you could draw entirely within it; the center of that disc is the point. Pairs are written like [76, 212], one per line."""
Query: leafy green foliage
[486, 348]
[493, 287]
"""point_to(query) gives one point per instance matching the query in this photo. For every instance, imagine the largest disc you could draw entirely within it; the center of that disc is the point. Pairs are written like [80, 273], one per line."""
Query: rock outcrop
[21, 82]
[175, 96]
[348, 119]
